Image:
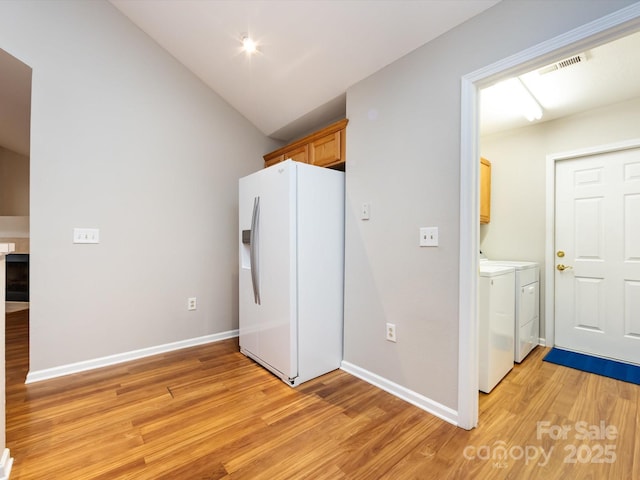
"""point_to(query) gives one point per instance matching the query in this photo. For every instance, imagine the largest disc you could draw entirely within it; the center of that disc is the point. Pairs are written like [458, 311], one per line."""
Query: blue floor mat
[600, 366]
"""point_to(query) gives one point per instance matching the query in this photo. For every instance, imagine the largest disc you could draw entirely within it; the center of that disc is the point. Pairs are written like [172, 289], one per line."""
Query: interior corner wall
[127, 140]
[14, 183]
[518, 171]
[404, 160]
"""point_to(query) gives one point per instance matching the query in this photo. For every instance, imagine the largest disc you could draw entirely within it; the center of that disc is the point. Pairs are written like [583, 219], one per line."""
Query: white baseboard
[6, 462]
[441, 411]
[48, 373]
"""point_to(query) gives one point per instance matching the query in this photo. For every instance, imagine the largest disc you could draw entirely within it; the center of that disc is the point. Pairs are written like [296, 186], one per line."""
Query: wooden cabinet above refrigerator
[324, 148]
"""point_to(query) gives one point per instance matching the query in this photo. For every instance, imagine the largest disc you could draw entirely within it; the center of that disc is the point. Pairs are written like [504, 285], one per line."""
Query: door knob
[562, 267]
[560, 253]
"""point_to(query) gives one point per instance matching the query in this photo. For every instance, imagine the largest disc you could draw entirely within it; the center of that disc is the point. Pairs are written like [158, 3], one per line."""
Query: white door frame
[597, 32]
[549, 249]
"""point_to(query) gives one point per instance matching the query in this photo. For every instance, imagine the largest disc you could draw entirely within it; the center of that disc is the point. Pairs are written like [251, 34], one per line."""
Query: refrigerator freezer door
[268, 329]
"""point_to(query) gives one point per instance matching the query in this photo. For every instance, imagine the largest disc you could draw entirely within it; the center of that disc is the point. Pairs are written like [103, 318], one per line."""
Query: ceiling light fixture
[512, 95]
[249, 45]
[529, 106]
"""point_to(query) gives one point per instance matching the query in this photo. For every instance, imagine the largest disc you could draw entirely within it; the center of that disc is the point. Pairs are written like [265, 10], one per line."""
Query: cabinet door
[273, 160]
[327, 150]
[485, 190]
[324, 148]
[300, 154]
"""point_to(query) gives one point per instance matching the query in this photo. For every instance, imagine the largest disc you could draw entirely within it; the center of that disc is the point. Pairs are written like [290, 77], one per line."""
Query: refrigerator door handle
[254, 251]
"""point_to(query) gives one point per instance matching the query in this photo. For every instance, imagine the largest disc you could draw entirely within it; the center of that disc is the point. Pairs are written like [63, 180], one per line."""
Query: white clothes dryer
[496, 328]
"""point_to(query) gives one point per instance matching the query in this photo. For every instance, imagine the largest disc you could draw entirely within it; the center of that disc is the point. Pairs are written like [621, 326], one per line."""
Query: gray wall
[123, 138]
[518, 161]
[404, 157]
[14, 183]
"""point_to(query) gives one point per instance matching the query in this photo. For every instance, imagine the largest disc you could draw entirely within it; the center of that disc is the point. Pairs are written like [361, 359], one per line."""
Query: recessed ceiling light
[249, 45]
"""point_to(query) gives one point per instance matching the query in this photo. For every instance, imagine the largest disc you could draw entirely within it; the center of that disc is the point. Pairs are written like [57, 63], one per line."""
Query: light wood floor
[210, 413]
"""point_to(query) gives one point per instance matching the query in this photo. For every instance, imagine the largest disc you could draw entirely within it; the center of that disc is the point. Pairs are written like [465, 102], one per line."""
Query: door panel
[632, 309]
[632, 228]
[597, 306]
[589, 296]
[589, 229]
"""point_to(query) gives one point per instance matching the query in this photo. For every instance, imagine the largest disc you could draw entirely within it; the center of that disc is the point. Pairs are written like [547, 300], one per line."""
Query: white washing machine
[496, 329]
[527, 307]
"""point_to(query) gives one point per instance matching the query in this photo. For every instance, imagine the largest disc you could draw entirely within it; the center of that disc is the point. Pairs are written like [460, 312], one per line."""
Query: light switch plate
[429, 236]
[365, 212]
[86, 235]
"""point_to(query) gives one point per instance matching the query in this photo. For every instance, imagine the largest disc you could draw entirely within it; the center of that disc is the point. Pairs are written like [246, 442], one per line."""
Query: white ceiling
[609, 75]
[312, 51]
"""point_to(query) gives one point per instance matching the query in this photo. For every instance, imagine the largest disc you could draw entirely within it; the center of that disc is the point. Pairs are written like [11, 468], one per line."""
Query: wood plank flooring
[208, 412]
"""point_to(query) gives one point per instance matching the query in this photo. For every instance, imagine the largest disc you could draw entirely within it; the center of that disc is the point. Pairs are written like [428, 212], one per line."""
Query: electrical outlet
[391, 332]
[191, 303]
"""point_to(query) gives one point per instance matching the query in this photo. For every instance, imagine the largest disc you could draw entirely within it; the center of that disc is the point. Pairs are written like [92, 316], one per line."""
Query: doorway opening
[584, 104]
[15, 120]
[599, 32]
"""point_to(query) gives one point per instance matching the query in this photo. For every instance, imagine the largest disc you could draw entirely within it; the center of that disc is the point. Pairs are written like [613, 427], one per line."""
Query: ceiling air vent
[565, 63]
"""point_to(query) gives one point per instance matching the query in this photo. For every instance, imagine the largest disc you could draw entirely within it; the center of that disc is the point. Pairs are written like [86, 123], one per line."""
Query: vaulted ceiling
[312, 51]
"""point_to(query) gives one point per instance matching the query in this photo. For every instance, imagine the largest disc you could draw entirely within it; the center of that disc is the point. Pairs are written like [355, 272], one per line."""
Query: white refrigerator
[291, 279]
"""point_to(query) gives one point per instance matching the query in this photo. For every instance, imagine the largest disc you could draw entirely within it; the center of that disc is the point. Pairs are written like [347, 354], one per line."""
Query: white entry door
[597, 254]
